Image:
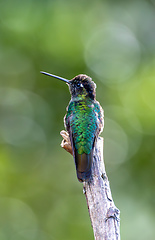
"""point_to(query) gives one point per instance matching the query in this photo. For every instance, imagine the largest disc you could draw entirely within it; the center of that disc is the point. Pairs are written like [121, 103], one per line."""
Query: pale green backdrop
[114, 43]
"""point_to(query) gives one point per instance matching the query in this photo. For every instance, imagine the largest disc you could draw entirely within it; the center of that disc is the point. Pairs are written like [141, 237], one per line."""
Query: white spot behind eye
[81, 85]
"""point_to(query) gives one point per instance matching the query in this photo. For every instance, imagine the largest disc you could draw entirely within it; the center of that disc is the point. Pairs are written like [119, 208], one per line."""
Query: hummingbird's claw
[66, 144]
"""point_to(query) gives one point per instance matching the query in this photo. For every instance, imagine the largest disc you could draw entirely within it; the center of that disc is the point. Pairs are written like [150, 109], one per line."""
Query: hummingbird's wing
[83, 162]
[83, 128]
[83, 165]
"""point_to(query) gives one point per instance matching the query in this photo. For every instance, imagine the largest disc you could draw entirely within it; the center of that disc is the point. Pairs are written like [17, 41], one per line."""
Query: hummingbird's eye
[79, 85]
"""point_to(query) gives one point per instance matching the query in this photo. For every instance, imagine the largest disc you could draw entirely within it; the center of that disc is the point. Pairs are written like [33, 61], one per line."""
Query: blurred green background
[114, 43]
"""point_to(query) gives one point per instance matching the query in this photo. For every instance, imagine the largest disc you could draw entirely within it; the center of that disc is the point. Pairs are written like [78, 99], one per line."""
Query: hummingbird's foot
[66, 144]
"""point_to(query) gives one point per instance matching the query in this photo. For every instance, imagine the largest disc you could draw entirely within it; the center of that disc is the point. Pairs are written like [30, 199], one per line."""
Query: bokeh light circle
[113, 53]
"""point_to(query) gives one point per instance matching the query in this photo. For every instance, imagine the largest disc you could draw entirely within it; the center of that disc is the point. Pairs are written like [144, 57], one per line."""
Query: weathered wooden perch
[104, 216]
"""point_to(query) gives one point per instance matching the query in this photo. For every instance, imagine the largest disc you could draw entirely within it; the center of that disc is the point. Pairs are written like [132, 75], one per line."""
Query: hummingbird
[84, 121]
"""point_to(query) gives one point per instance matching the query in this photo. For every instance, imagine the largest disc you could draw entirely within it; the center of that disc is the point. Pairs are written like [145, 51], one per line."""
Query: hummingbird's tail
[83, 165]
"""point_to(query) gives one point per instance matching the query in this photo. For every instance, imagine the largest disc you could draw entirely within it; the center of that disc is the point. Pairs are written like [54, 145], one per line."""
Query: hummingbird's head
[82, 85]
[79, 86]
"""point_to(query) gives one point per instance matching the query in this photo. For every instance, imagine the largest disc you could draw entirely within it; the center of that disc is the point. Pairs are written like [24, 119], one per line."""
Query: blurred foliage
[114, 43]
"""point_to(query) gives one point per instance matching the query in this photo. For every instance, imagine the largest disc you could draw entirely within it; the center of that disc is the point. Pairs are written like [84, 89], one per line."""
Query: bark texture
[104, 216]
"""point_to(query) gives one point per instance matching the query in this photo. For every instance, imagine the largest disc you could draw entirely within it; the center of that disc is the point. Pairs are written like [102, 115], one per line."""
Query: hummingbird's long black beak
[52, 75]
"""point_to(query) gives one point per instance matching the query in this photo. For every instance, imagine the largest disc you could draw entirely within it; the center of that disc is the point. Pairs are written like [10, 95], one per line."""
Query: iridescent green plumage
[83, 121]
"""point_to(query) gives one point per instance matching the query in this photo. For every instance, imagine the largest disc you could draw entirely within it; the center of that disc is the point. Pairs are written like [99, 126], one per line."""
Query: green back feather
[83, 119]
